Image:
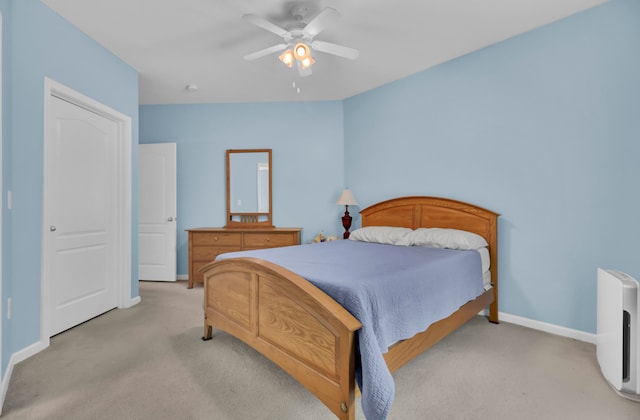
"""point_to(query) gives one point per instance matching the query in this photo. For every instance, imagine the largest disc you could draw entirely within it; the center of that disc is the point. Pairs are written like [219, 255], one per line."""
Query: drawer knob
[268, 238]
[215, 238]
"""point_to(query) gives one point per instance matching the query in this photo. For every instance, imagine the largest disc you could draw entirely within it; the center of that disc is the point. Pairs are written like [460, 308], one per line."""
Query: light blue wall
[38, 44]
[307, 143]
[5, 9]
[544, 129]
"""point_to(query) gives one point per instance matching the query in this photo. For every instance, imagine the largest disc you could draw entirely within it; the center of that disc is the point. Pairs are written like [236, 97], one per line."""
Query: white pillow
[444, 238]
[380, 234]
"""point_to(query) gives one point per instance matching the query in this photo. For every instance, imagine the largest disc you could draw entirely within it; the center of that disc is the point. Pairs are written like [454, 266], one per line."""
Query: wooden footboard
[288, 320]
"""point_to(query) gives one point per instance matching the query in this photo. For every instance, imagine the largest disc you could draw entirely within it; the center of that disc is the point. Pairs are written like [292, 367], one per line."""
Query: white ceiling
[172, 43]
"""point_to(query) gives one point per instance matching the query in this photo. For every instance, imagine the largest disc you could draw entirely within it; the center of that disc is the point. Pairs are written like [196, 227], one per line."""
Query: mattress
[485, 263]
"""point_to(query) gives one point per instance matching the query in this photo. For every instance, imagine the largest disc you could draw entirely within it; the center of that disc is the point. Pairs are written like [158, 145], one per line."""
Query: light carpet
[148, 362]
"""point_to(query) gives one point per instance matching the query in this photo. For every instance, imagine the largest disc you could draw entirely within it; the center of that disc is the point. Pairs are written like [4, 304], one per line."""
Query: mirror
[249, 188]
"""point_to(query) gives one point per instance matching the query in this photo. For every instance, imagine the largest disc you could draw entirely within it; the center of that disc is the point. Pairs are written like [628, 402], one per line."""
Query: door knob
[170, 219]
[52, 228]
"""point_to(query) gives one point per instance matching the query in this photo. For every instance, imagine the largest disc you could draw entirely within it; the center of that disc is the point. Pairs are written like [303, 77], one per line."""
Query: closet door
[80, 216]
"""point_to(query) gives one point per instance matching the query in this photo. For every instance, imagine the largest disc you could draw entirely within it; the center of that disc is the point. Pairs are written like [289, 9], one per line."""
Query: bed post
[493, 249]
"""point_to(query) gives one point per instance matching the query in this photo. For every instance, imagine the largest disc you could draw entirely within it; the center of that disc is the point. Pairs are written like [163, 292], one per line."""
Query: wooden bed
[306, 332]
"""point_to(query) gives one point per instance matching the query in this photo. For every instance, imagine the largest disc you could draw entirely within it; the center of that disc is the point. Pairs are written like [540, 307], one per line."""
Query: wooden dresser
[206, 243]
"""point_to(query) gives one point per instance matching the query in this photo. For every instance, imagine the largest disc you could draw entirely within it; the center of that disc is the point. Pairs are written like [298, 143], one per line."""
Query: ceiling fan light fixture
[287, 58]
[301, 51]
[307, 62]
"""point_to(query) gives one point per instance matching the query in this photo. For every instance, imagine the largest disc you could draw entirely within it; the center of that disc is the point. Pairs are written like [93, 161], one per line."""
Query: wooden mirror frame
[252, 219]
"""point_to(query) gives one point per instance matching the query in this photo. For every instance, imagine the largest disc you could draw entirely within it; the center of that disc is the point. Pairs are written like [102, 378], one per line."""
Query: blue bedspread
[394, 291]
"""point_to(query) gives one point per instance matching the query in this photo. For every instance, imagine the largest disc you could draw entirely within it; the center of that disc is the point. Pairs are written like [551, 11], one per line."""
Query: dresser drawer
[205, 244]
[209, 253]
[269, 240]
[217, 238]
[198, 277]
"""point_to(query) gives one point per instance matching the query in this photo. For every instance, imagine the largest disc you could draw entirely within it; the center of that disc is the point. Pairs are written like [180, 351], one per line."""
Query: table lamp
[346, 199]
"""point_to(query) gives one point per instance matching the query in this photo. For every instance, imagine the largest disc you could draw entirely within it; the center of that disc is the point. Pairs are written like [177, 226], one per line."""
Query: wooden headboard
[416, 212]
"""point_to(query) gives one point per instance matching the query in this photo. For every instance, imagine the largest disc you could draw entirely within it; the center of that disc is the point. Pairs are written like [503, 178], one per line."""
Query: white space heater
[618, 350]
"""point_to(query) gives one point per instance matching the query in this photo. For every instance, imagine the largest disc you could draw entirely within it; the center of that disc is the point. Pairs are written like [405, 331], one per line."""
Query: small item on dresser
[319, 238]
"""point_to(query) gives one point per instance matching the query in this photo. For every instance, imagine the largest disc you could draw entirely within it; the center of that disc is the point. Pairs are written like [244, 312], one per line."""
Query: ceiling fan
[299, 41]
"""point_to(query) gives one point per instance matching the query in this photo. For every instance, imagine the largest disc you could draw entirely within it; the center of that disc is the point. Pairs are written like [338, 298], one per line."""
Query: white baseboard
[28, 351]
[16, 358]
[546, 327]
[4, 386]
[182, 277]
[132, 302]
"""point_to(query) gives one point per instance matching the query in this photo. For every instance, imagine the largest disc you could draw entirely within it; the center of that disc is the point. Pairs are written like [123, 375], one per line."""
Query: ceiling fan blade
[335, 49]
[318, 23]
[265, 24]
[266, 51]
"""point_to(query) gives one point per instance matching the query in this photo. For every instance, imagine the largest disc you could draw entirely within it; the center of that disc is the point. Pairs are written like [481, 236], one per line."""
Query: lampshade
[287, 58]
[307, 62]
[347, 198]
[301, 51]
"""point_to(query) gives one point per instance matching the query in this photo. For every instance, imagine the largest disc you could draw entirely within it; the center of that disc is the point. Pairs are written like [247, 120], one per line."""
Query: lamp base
[346, 223]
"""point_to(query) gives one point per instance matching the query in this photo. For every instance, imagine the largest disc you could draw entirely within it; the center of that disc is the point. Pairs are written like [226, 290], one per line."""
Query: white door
[157, 211]
[80, 217]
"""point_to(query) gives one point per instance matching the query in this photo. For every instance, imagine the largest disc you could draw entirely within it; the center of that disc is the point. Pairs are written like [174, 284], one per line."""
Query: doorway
[157, 206]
